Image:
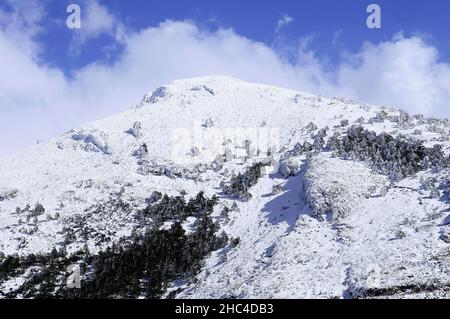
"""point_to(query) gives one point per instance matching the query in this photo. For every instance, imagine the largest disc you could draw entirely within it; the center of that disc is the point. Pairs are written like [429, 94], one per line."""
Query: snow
[328, 234]
[340, 189]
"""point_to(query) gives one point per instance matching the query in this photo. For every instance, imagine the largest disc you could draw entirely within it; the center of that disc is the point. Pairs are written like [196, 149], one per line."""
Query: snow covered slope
[318, 223]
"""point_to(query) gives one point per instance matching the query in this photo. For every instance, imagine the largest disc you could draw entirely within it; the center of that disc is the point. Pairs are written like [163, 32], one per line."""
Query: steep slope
[316, 223]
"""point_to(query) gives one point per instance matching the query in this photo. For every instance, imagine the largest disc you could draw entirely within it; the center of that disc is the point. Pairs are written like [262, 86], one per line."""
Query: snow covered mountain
[300, 197]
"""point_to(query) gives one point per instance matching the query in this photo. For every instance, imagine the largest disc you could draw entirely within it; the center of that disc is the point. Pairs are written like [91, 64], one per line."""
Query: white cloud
[23, 16]
[283, 21]
[22, 23]
[96, 20]
[404, 72]
[37, 101]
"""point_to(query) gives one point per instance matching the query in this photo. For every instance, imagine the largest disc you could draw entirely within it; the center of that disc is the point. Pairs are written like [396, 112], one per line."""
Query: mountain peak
[316, 195]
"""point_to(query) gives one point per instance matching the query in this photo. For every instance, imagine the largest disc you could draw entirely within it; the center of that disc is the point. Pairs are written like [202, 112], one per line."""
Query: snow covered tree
[277, 189]
[142, 151]
[239, 185]
[344, 122]
[396, 157]
[311, 127]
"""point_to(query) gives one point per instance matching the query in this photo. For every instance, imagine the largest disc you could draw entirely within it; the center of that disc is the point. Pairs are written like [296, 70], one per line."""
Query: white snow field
[335, 228]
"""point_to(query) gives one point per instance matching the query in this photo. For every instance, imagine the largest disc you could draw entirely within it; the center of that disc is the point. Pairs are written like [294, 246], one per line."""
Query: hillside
[274, 193]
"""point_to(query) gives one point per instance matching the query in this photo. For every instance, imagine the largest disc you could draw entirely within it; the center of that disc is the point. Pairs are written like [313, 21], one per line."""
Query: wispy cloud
[283, 21]
[22, 22]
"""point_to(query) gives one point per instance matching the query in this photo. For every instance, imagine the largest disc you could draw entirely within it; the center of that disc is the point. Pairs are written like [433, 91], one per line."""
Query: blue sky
[333, 24]
[54, 78]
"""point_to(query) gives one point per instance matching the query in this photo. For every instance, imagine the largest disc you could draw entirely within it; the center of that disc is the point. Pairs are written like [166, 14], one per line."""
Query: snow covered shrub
[142, 264]
[445, 236]
[217, 164]
[177, 209]
[384, 191]
[393, 118]
[194, 152]
[154, 197]
[146, 264]
[428, 183]
[344, 123]
[290, 166]
[311, 127]
[225, 214]
[92, 140]
[380, 117]
[8, 193]
[208, 123]
[136, 130]
[319, 139]
[399, 234]
[146, 168]
[396, 157]
[327, 201]
[420, 119]
[155, 96]
[405, 120]
[170, 169]
[438, 121]
[173, 171]
[335, 186]
[235, 241]
[249, 151]
[38, 210]
[435, 128]
[434, 193]
[69, 236]
[239, 185]
[277, 189]
[299, 149]
[142, 151]
[228, 155]
[203, 88]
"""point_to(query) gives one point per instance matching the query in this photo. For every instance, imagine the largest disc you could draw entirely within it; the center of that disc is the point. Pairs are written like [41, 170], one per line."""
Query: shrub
[239, 185]
[396, 157]
[142, 265]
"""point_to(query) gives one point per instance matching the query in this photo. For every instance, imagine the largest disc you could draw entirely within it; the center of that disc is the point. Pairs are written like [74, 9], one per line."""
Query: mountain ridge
[308, 225]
